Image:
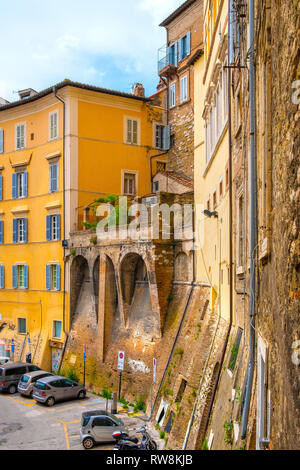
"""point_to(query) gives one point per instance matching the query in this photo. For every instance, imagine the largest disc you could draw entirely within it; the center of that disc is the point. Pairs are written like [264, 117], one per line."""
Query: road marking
[21, 402]
[66, 434]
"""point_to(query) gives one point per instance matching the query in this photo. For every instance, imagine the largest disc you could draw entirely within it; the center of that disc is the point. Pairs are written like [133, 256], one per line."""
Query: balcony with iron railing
[166, 60]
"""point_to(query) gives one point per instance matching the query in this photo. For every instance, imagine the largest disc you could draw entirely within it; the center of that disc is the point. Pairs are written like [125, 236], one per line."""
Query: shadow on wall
[84, 299]
[135, 289]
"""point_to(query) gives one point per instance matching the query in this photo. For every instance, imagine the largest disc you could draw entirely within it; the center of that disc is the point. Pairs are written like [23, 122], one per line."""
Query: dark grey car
[11, 373]
[56, 388]
[27, 381]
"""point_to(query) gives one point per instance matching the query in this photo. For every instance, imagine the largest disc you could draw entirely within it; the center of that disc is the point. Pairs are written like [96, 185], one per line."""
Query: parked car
[27, 381]
[4, 360]
[11, 373]
[98, 426]
[50, 390]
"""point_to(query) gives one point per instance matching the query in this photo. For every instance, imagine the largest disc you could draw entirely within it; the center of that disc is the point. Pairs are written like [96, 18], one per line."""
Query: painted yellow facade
[211, 158]
[90, 149]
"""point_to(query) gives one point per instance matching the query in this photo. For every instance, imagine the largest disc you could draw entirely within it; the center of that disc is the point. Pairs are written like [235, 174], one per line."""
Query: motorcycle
[147, 443]
[124, 442]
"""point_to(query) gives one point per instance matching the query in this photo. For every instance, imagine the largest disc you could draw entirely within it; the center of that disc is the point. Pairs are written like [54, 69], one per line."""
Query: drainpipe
[253, 221]
[64, 221]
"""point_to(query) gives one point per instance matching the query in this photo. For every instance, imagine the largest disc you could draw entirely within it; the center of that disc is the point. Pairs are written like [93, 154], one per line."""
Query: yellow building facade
[211, 159]
[59, 150]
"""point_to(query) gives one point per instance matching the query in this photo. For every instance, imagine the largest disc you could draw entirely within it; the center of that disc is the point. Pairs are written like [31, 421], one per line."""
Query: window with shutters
[172, 51]
[184, 46]
[183, 89]
[129, 184]
[20, 276]
[56, 329]
[53, 177]
[132, 131]
[22, 329]
[21, 230]
[54, 232]
[173, 95]
[19, 185]
[53, 125]
[159, 137]
[20, 136]
[53, 227]
[1, 140]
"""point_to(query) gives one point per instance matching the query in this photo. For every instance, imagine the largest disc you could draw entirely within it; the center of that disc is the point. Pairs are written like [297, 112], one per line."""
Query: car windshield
[40, 385]
[84, 420]
[118, 421]
[24, 378]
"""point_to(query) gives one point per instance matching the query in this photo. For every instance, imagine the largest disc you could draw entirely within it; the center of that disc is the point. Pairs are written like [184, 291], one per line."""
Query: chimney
[27, 93]
[139, 90]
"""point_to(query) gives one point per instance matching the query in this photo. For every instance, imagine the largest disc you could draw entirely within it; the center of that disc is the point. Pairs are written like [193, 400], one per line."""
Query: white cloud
[85, 41]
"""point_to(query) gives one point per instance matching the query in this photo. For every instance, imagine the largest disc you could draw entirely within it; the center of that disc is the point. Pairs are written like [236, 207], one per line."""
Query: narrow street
[27, 425]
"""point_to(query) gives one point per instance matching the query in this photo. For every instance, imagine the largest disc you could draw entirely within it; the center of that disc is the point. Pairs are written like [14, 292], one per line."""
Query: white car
[4, 360]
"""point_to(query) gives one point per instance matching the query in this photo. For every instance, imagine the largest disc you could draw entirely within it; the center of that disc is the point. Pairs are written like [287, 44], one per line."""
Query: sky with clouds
[112, 44]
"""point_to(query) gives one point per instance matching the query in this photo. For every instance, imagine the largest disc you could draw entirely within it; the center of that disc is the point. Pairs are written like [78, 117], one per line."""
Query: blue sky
[110, 44]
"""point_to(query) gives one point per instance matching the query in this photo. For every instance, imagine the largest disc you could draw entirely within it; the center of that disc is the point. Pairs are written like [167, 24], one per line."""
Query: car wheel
[12, 389]
[50, 401]
[88, 443]
[81, 394]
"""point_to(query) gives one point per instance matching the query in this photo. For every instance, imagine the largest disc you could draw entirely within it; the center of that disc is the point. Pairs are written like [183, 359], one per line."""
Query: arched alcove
[136, 298]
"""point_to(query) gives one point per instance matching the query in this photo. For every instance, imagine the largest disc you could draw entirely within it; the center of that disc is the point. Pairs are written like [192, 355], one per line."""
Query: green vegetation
[198, 331]
[139, 404]
[179, 352]
[109, 199]
[204, 445]
[228, 426]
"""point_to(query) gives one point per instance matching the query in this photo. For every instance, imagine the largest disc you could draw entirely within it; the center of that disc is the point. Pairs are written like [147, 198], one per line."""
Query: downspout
[253, 221]
[64, 221]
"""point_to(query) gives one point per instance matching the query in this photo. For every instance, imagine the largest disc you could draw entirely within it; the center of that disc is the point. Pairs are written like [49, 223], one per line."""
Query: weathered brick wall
[279, 292]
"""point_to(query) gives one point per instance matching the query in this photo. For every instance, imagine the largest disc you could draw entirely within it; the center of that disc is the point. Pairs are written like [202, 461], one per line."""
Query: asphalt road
[28, 425]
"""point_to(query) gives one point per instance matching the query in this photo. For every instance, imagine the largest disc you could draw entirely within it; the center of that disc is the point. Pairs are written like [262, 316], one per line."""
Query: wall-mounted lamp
[210, 213]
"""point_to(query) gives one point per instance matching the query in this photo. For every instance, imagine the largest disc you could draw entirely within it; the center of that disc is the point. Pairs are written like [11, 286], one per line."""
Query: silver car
[98, 426]
[27, 381]
[56, 388]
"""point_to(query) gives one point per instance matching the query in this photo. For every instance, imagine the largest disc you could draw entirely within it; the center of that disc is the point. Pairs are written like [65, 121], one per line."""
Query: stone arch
[209, 392]
[82, 293]
[136, 296]
[111, 302]
[182, 267]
